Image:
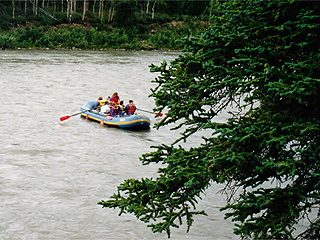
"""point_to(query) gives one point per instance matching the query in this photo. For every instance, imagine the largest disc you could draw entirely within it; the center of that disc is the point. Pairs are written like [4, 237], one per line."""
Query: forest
[101, 24]
[259, 61]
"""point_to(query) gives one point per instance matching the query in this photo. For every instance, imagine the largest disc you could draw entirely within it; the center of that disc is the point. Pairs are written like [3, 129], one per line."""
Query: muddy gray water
[52, 173]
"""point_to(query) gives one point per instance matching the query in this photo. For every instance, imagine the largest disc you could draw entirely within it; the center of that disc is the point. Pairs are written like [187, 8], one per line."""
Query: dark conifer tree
[262, 58]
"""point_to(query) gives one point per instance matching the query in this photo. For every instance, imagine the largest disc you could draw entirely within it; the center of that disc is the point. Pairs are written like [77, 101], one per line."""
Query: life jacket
[122, 108]
[102, 102]
[132, 109]
[114, 99]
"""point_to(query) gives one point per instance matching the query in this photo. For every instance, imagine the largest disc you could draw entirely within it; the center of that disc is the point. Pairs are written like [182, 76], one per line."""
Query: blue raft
[126, 122]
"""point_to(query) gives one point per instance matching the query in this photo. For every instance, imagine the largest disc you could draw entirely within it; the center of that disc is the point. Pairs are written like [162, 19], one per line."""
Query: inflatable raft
[135, 121]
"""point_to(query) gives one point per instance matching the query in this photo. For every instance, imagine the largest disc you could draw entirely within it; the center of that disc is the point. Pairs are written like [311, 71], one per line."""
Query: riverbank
[89, 25]
[167, 36]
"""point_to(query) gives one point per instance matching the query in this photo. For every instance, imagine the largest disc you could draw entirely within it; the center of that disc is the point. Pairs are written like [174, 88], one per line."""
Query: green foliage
[261, 58]
[5, 24]
[6, 40]
[163, 38]
[165, 199]
[125, 15]
[77, 36]
[109, 24]
[169, 36]
[30, 35]
[179, 8]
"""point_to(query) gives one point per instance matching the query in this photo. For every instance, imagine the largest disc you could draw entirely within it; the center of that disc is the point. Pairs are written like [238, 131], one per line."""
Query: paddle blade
[158, 114]
[65, 118]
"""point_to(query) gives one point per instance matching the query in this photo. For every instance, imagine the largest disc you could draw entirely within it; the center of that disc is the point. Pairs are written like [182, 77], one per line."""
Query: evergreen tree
[262, 58]
[125, 16]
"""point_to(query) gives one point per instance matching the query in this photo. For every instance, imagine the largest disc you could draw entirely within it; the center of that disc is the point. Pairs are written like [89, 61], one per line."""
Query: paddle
[157, 114]
[69, 116]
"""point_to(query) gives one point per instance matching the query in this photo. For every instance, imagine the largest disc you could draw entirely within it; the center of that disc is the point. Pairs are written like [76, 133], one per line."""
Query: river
[52, 173]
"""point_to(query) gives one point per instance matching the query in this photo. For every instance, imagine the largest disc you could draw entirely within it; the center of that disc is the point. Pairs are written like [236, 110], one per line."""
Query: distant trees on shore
[101, 24]
[105, 11]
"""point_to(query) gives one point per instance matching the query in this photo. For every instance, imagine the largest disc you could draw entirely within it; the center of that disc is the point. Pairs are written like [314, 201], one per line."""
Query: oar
[69, 116]
[157, 114]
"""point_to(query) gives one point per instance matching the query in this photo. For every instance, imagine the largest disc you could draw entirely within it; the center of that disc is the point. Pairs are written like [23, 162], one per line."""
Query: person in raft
[115, 98]
[105, 109]
[100, 103]
[130, 108]
[122, 109]
[114, 110]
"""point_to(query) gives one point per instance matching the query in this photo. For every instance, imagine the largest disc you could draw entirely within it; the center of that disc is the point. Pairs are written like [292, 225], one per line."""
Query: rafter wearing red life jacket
[115, 98]
[131, 108]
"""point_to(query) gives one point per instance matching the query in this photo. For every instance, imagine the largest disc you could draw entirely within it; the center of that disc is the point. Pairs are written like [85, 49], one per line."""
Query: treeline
[96, 24]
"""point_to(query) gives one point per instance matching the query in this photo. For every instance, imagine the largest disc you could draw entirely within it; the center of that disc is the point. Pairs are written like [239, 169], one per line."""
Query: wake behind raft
[132, 122]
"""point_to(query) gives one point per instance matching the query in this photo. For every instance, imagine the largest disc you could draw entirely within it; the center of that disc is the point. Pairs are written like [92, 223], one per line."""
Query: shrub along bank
[75, 36]
[83, 24]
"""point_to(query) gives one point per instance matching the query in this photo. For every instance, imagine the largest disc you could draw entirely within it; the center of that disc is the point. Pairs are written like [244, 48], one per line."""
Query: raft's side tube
[90, 105]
